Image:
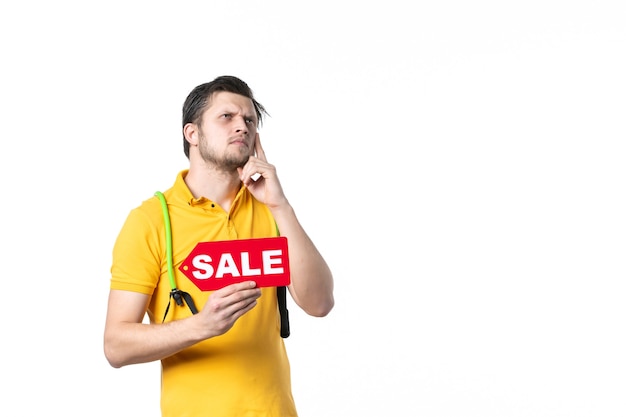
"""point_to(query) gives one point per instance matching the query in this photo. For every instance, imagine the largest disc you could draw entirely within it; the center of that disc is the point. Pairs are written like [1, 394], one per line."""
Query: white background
[460, 165]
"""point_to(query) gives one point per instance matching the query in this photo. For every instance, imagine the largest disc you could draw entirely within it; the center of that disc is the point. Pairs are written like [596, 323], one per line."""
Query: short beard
[227, 163]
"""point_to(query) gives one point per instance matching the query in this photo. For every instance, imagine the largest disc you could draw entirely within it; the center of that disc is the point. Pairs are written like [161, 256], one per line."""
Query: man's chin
[235, 163]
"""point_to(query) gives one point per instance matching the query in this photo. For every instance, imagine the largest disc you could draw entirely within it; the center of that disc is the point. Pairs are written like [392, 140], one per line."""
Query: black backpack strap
[281, 293]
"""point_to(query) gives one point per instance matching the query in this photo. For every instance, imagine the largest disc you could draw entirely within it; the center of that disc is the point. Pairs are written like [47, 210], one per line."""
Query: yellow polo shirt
[244, 372]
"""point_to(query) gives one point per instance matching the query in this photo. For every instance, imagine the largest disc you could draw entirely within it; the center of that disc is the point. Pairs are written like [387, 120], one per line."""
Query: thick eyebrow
[230, 110]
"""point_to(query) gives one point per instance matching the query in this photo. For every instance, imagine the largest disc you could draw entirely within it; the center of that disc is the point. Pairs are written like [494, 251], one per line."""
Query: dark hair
[199, 98]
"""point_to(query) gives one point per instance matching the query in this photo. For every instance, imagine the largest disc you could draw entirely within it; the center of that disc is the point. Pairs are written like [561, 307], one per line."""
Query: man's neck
[218, 186]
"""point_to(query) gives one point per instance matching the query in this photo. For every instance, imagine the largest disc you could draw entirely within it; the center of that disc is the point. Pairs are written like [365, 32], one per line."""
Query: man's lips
[239, 141]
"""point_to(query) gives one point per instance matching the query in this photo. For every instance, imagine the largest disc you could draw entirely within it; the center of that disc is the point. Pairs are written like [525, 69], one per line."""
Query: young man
[228, 359]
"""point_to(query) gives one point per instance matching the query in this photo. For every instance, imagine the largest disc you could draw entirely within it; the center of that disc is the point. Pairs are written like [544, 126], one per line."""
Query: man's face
[228, 131]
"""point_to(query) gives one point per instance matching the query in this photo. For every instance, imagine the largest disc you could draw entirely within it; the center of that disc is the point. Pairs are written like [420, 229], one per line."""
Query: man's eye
[250, 121]
[226, 115]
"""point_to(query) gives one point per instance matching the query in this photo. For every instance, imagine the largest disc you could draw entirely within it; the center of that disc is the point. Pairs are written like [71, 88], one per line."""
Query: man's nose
[241, 125]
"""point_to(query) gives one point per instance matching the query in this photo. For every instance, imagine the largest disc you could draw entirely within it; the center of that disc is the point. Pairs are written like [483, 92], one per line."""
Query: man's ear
[191, 133]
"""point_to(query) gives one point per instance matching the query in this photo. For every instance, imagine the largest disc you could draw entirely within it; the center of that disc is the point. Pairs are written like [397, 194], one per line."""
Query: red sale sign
[213, 265]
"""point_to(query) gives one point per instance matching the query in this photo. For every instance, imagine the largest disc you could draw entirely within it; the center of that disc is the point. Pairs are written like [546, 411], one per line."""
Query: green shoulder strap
[175, 293]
